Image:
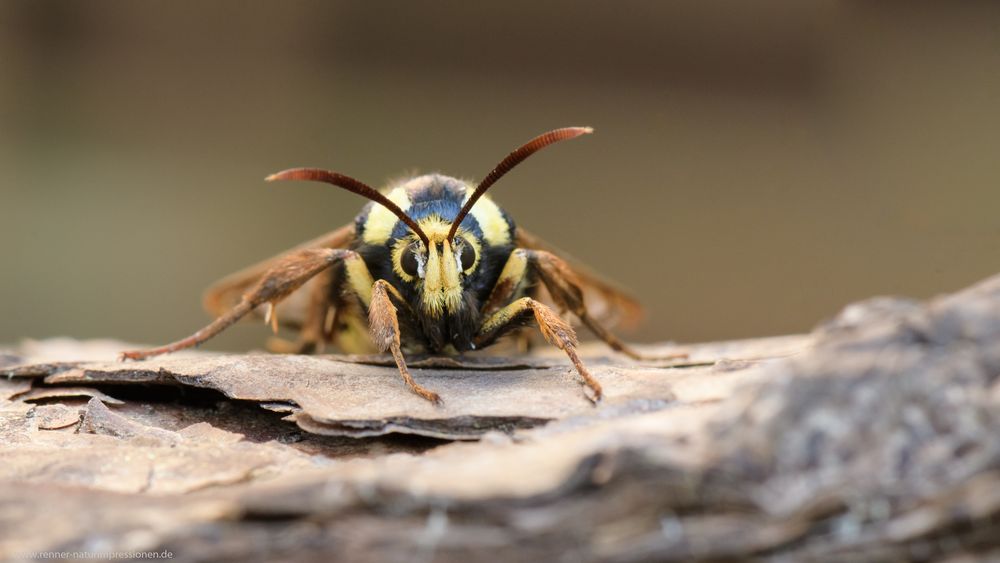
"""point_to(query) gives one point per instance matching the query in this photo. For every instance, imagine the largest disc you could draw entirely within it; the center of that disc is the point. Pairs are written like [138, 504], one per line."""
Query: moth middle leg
[555, 330]
[565, 290]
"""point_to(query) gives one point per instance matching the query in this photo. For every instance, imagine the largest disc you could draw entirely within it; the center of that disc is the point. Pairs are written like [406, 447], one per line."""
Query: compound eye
[468, 257]
[408, 261]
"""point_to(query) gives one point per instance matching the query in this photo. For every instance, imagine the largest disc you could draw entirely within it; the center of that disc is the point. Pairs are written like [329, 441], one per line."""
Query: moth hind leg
[313, 334]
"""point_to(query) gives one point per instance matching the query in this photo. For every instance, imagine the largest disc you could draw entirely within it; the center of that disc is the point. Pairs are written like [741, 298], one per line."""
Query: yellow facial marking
[435, 227]
[405, 244]
[442, 282]
[381, 221]
[432, 270]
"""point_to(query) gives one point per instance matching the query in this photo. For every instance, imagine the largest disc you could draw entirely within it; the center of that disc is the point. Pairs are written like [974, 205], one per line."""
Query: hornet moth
[430, 265]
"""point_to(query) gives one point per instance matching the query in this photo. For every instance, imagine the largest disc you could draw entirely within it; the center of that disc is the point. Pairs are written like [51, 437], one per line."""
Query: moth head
[437, 270]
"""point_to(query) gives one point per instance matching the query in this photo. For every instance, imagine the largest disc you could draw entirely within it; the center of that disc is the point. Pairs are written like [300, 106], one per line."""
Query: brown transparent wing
[293, 310]
[606, 302]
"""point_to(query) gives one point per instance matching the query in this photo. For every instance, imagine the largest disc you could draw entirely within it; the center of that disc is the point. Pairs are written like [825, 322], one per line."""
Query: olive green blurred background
[755, 166]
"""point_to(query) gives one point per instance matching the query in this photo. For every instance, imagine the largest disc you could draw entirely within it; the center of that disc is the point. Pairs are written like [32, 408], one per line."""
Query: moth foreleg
[286, 276]
[383, 322]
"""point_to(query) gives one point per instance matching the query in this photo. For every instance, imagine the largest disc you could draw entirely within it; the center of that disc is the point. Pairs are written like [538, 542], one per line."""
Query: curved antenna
[351, 185]
[512, 160]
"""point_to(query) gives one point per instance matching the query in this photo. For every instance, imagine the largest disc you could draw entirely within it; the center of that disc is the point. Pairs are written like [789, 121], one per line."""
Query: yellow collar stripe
[496, 230]
[381, 221]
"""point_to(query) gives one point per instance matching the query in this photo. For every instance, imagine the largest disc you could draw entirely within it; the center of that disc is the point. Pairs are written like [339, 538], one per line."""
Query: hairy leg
[560, 282]
[555, 330]
[277, 283]
[383, 323]
[313, 336]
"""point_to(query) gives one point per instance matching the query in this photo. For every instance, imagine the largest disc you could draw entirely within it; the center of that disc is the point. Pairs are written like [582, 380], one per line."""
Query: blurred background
[755, 167]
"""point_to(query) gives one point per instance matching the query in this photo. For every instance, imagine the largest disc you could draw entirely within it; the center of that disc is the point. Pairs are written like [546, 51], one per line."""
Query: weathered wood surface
[877, 437]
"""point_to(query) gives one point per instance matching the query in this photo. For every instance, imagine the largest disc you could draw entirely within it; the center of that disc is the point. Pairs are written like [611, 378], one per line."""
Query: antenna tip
[283, 175]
